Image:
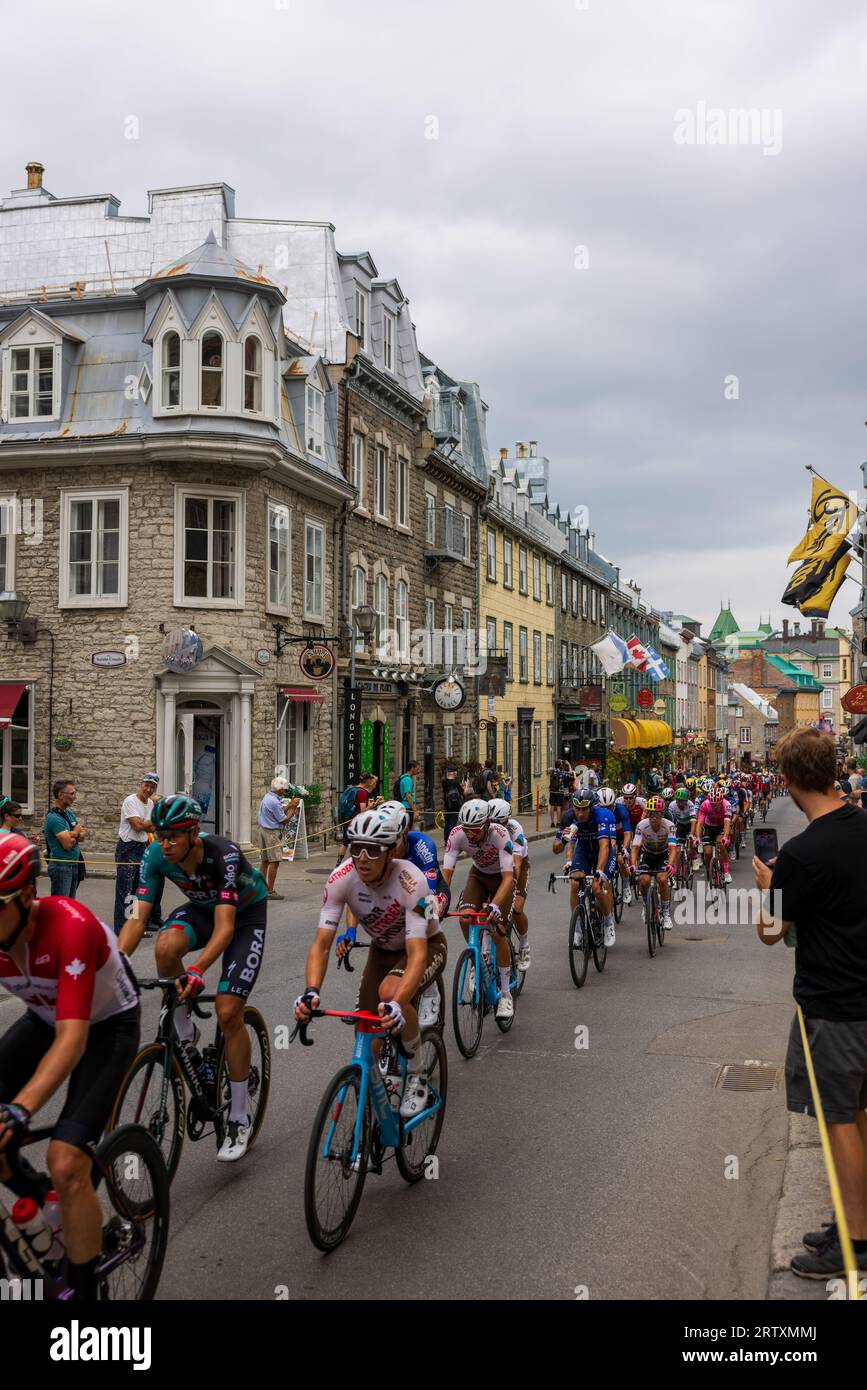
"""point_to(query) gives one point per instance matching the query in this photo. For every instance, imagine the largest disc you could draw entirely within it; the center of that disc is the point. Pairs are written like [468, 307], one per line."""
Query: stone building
[754, 727]
[179, 449]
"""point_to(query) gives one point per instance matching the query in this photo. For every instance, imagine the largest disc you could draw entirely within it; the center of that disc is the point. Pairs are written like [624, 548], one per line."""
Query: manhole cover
[746, 1076]
[312, 870]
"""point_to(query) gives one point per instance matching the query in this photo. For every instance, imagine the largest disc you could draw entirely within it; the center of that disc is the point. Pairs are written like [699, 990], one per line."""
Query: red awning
[9, 697]
[300, 692]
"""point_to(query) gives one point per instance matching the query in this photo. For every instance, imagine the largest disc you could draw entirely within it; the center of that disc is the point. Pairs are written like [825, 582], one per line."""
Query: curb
[803, 1205]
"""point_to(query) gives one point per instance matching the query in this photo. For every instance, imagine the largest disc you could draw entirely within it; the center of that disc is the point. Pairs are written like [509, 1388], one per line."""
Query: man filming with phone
[817, 903]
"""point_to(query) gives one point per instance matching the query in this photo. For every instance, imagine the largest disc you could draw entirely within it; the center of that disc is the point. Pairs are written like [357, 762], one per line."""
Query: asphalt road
[618, 1168]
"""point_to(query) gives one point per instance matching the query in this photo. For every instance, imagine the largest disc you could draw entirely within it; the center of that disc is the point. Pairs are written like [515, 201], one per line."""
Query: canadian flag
[639, 655]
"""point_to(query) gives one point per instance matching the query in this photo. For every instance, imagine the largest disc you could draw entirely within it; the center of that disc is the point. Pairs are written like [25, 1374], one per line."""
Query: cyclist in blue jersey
[623, 821]
[226, 915]
[594, 853]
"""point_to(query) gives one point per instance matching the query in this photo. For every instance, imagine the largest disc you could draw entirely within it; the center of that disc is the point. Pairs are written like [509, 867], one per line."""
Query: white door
[184, 740]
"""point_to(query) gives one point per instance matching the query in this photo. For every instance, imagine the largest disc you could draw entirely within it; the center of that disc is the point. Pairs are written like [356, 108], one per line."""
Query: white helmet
[629, 789]
[606, 796]
[379, 827]
[474, 813]
[499, 810]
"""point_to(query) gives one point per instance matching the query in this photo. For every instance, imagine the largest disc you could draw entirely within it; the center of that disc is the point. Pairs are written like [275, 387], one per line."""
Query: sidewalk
[804, 1204]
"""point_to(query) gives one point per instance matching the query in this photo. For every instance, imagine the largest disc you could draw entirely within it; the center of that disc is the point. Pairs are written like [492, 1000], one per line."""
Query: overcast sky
[556, 131]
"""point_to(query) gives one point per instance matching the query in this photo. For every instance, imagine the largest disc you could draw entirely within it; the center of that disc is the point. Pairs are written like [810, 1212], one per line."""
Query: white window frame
[401, 620]
[273, 506]
[827, 699]
[601, 609]
[388, 324]
[550, 742]
[401, 492]
[430, 519]
[537, 657]
[380, 492]
[564, 661]
[66, 599]
[362, 316]
[6, 740]
[523, 656]
[549, 583]
[466, 742]
[160, 405]
[227, 494]
[522, 570]
[537, 748]
[508, 641]
[357, 450]
[594, 605]
[746, 734]
[9, 513]
[574, 597]
[314, 421]
[827, 670]
[311, 525]
[537, 579]
[491, 553]
[490, 635]
[549, 659]
[358, 600]
[564, 592]
[584, 600]
[466, 538]
[508, 571]
[222, 408]
[251, 411]
[380, 589]
[9, 392]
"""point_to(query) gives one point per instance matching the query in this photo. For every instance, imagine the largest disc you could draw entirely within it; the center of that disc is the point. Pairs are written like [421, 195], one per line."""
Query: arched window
[252, 373]
[401, 619]
[212, 370]
[359, 597]
[170, 395]
[380, 603]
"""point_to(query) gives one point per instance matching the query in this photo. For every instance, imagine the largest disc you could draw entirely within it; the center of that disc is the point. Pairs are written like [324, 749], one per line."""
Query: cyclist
[393, 902]
[490, 883]
[610, 802]
[594, 854]
[421, 851]
[682, 813]
[500, 813]
[81, 1025]
[654, 851]
[714, 820]
[226, 915]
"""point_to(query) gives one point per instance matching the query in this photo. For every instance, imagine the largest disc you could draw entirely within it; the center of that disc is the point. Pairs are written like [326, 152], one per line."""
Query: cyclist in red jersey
[81, 1025]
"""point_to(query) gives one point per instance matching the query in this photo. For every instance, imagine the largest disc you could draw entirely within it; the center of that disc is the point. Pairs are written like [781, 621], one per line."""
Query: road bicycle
[153, 1092]
[618, 892]
[476, 983]
[132, 1186]
[359, 1120]
[684, 872]
[653, 917]
[714, 876]
[586, 931]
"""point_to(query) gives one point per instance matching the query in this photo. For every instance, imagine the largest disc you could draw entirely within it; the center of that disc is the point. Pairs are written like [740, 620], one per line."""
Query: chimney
[757, 661]
[797, 629]
[785, 629]
[35, 170]
[532, 448]
[520, 450]
[504, 454]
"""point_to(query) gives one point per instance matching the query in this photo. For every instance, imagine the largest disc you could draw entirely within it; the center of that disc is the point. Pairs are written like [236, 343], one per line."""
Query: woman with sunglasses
[392, 900]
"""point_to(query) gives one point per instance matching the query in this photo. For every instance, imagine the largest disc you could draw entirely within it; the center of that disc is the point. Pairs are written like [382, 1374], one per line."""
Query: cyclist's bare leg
[70, 1170]
[230, 1016]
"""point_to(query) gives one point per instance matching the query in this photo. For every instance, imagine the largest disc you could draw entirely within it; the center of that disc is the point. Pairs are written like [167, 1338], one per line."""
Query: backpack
[454, 798]
[346, 804]
[396, 794]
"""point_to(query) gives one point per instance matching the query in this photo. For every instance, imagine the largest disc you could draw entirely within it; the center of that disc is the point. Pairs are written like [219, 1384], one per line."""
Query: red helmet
[19, 864]
[715, 795]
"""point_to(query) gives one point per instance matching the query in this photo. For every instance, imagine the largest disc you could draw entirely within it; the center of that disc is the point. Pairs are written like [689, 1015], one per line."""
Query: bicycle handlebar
[344, 960]
[166, 984]
[361, 1015]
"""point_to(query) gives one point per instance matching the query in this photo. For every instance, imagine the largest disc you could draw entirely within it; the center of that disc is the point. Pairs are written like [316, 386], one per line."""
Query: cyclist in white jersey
[654, 851]
[490, 883]
[391, 899]
[500, 813]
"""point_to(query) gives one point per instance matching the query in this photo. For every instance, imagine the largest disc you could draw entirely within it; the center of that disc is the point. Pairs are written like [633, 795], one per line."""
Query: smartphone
[765, 843]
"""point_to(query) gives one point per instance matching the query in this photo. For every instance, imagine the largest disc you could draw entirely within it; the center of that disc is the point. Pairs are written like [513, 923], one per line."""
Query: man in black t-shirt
[818, 902]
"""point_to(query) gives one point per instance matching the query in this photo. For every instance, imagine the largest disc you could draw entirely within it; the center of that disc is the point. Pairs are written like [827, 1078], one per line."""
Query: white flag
[612, 653]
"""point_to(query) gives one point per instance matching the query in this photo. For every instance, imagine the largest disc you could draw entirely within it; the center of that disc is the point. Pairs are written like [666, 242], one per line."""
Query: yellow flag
[823, 552]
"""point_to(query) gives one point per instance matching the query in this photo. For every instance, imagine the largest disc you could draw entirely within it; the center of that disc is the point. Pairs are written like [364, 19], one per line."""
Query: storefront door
[198, 745]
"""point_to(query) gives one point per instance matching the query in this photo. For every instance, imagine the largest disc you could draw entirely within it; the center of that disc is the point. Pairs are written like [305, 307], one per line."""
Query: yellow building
[518, 588]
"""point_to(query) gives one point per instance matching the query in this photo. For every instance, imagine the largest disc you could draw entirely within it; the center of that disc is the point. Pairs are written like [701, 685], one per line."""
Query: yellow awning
[641, 733]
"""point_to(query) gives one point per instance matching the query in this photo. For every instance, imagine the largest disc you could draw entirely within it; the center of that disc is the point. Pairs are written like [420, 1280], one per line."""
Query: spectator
[63, 835]
[406, 790]
[453, 800]
[817, 880]
[132, 842]
[856, 780]
[274, 815]
[10, 819]
[365, 795]
[555, 793]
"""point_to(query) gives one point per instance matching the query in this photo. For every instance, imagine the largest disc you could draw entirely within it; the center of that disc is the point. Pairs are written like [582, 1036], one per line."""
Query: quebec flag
[656, 668]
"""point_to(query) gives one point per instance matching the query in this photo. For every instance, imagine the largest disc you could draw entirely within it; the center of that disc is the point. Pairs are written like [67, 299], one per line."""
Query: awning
[304, 693]
[641, 733]
[9, 697]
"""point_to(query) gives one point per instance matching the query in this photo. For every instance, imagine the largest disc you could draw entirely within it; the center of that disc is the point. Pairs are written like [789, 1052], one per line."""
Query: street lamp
[13, 606]
[365, 620]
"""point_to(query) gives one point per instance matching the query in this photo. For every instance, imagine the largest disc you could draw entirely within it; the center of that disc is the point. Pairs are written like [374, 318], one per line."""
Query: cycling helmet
[499, 810]
[715, 795]
[176, 813]
[379, 827]
[398, 815]
[681, 794]
[606, 796]
[630, 789]
[4, 802]
[584, 798]
[690, 782]
[19, 864]
[474, 813]
[655, 804]
[667, 793]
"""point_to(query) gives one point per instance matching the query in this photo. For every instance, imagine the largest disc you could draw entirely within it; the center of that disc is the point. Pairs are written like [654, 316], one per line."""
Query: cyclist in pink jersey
[714, 823]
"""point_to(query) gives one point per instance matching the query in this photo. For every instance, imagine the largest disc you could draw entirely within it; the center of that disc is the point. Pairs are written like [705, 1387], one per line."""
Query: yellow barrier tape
[833, 1181]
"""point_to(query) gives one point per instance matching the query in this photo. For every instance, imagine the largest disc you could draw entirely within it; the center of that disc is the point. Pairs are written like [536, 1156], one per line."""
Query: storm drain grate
[747, 1076]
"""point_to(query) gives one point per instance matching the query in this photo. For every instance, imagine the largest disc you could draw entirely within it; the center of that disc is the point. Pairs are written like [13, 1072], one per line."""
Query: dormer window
[361, 316]
[212, 371]
[252, 374]
[171, 392]
[32, 383]
[315, 421]
[388, 340]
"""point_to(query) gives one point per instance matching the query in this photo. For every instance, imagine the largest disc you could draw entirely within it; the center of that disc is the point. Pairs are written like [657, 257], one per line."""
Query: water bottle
[208, 1069]
[53, 1215]
[29, 1220]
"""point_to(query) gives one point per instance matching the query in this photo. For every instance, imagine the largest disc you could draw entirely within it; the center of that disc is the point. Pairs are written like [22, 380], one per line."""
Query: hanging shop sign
[316, 661]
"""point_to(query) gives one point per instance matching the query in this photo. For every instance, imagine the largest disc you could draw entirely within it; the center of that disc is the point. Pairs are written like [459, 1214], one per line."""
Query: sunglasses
[172, 839]
[369, 851]
[7, 898]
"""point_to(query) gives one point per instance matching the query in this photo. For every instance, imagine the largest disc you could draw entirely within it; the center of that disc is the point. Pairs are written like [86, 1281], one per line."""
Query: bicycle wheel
[468, 1009]
[135, 1200]
[649, 921]
[597, 939]
[259, 1084]
[579, 956]
[140, 1101]
[333, 1183]
[617, 892]
[660, 930]
[519, 975]
[421, 1141]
